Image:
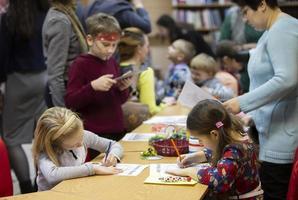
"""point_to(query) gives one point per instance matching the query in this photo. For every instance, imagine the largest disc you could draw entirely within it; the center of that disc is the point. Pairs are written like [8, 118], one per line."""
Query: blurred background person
[24, 71]
[169, 29]
[128, 13]
[63, 39]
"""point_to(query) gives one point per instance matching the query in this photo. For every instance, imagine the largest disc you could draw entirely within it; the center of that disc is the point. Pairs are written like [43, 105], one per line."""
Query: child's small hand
[124, 83]
[103, 83]
[191, 172]
[110, 161]
[189, 159]
[103, 170]
[245, 118]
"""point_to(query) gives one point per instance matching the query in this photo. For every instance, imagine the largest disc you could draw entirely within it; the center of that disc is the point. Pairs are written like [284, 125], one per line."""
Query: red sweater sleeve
[79, 92]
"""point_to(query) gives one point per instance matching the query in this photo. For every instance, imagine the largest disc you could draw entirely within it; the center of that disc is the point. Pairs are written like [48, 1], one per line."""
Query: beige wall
[158, 50]
[157, 8]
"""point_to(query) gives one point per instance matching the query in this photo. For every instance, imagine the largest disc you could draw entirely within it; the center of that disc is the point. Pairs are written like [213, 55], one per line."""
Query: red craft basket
[166, 148]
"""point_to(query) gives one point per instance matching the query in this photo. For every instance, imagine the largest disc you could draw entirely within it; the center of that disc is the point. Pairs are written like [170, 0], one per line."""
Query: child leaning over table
[203, 69]
[60, 149]
[92, 89]
[233, 172]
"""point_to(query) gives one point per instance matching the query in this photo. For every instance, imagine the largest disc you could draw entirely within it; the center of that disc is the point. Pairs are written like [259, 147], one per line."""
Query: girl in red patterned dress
[233, 171]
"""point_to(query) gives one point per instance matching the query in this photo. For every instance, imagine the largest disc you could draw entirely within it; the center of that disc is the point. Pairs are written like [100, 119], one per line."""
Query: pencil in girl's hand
[176, 149]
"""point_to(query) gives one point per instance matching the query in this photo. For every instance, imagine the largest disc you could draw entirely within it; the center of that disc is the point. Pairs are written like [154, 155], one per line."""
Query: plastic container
[166, 148]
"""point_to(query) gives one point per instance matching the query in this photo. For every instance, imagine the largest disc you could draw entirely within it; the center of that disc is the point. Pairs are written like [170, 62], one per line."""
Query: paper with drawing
[158, 175]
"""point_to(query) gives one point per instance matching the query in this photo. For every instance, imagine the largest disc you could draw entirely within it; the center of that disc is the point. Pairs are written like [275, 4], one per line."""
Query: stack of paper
[138, 137]
[179, 120]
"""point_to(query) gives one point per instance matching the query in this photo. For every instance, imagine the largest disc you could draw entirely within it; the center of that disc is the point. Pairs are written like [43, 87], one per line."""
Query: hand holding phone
[124, 76]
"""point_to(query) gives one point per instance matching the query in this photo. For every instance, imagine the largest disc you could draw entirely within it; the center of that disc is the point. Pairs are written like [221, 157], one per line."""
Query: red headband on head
[111, 37]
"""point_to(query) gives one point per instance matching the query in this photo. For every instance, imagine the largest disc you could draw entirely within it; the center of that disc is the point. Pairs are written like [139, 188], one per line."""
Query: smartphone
[124, 76]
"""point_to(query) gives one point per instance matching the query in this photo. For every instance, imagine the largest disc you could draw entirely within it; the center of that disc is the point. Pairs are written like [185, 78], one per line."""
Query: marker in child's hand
[176, 149]
[108, 151]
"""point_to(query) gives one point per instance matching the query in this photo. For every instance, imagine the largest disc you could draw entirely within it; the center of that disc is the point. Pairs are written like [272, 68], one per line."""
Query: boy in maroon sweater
[92, 90]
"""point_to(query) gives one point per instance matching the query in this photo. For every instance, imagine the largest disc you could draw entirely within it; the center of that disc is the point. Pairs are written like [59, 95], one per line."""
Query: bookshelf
[290, 7]
[203, 6]
[205, 15]
[208, 15]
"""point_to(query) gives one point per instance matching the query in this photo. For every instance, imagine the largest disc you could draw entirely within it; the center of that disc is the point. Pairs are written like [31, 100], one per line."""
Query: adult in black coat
[128, 14]
[169, 28]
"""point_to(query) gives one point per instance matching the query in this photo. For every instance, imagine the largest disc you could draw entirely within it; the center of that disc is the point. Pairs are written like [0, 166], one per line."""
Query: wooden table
[133, 188]
[47, 195]
[124, 187]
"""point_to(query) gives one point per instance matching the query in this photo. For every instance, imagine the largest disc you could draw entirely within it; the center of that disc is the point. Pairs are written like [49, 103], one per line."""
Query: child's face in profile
[198, 76]
[73, 141]
[174, 54]
[208, 140]
[103, 46]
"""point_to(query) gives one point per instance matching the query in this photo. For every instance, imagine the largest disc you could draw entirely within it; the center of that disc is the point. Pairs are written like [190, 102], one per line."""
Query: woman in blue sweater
[24, 71]
[272, 97]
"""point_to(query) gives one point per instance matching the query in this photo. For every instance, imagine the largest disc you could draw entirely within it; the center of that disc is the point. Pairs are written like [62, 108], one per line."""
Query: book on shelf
[203, 19]
[198, 2]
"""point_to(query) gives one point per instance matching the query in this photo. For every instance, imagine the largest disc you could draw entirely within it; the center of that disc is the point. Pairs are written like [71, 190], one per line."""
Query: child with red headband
[233, 172]
[92, 90]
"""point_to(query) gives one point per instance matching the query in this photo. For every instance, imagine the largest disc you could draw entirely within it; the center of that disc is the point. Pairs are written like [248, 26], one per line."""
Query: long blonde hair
[55, 125]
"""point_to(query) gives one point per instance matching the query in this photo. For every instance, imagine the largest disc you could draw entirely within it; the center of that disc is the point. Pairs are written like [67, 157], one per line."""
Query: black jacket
[122, 10]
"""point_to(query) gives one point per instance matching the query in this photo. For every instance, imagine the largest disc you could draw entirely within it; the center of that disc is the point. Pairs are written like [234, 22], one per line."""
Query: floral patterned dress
[235, 173]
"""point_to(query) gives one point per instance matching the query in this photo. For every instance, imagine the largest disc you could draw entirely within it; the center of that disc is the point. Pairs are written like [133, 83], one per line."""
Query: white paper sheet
[192, 94]
[138, 136]
[130, 169]
[179, 120]
[160, 169]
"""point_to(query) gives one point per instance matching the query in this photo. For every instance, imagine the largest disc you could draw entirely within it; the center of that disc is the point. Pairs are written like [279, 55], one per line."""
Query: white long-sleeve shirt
[73, 166]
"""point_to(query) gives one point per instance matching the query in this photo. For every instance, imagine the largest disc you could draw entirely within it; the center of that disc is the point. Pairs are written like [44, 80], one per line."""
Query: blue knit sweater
[273, 96]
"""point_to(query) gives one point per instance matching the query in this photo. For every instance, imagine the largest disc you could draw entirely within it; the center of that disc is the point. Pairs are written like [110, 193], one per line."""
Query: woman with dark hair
[168, 28]
[24, 71]
[63, 39]
[272, 97]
